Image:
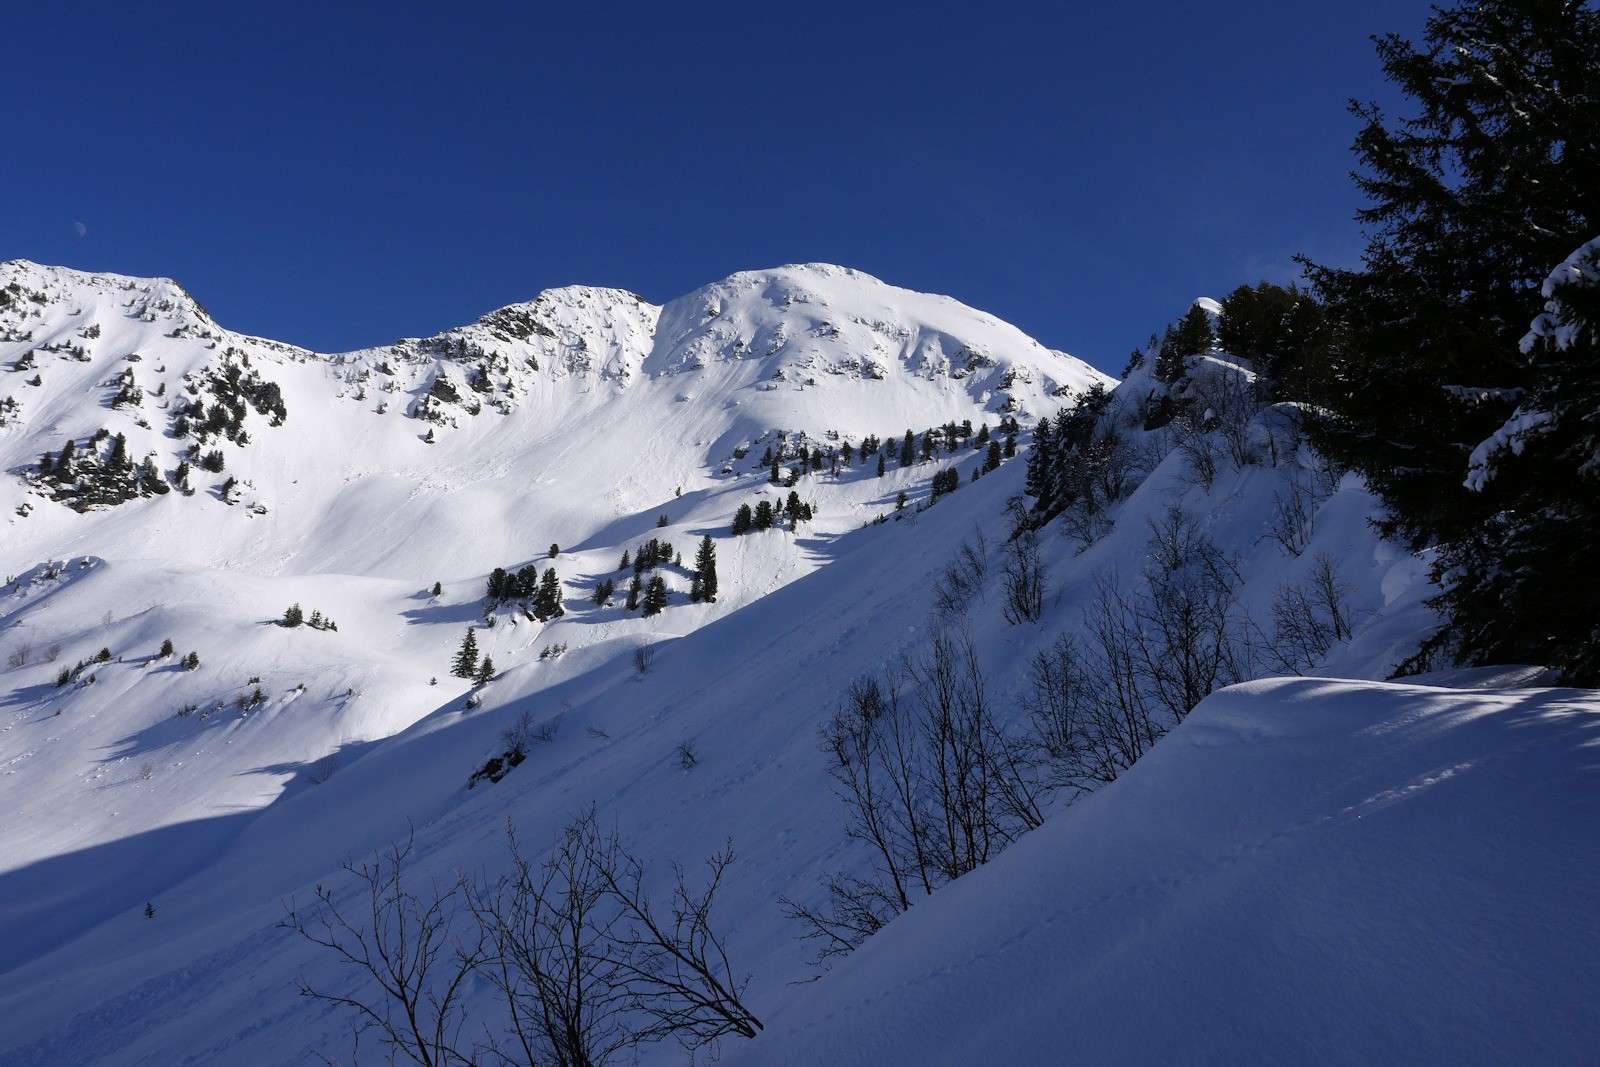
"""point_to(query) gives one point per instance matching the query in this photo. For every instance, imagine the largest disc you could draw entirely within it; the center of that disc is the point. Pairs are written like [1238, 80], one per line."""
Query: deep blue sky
[344, 177]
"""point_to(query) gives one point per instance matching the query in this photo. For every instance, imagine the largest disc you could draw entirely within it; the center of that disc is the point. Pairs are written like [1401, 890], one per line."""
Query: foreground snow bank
[1306, 870]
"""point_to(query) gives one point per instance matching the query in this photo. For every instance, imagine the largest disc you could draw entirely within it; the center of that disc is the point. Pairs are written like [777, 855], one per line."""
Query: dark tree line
[1473, 199]
[541, 593]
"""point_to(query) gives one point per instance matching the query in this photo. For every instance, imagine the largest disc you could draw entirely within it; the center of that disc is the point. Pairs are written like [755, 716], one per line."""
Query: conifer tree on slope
[1190, 335]
[705, 570]
[1472, 202]
[1533, 594]
[466, 661]
[547, 604]
[655, 596]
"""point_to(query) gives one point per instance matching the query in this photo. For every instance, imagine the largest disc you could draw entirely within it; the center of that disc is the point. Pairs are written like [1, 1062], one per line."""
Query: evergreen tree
[991, 459]
[465, 664]
[555, 550]
[547, 603]
[655, 596]
[1041, 462]
[626, 561]
[764, 517]
[150, 478]
[438, 588]
[846, 453]
[499, 585]
[1189, 336]
[741, 520]
[1471, 202]
[880, 465]
[983, 436]
[166, 648]
[705, 570]
[633, 592]
[1524, 588]
[1010, 446]
[772, 475]
[293, 616]
[908, 452]
[1194, 333]
[485, 673]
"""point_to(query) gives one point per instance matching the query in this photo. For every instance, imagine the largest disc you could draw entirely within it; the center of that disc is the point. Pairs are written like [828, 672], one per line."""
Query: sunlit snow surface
[1292, 874]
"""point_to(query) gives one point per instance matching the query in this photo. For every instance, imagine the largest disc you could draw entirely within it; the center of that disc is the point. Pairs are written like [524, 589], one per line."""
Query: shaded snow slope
[1305, 871]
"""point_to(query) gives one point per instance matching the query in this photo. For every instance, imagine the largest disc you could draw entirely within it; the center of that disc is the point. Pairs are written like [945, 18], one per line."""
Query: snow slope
[590, 407]
[1305, 871]
[583, 418]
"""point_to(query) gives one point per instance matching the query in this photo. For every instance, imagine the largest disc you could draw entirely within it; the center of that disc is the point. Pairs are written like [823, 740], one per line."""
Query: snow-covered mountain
[544, 416]
[154, 819]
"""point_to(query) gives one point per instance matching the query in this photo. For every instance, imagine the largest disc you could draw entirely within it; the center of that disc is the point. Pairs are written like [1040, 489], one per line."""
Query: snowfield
[1305, 869]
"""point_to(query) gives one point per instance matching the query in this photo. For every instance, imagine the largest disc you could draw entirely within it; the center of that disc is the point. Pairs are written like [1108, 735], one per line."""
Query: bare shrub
[1189, 636]
[673, 963]
[1225, 402]
[1023, 579]
[585, 964]
[930, 785]
[518, 736]
[1311, 618]
[962, 578]
[1291, 518]
[1062, 702]
[688, 757]
[21, 653]
[412, 944]
[545, 928]
[1125, 723]
[323, 769]
[644, 657]
[1200, 455]
[1325, 476]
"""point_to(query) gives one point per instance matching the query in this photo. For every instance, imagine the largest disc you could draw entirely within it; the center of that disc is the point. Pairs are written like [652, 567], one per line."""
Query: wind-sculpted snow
[1306, 871]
